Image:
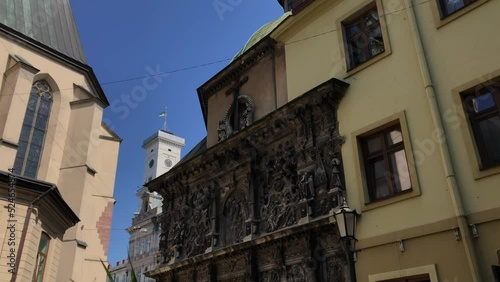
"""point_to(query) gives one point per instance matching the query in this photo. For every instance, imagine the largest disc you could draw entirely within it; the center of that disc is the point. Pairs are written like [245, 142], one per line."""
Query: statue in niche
[306, 186]
[310, 185]
[227, 125]
[221, 130]
[235, 220]
[246, 106]
[179, 235]
[336, 183]
[320, 174]
[270, 276]
[303, 186]
[296, 274]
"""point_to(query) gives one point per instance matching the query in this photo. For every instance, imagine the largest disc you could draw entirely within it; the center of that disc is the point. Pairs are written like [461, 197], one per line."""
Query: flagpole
[165, 120]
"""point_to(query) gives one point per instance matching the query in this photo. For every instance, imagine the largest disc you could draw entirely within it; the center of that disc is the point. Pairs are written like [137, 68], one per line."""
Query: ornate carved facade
[258, 205]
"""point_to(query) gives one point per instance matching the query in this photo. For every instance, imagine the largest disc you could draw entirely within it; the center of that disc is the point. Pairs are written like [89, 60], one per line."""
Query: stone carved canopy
[242, 203]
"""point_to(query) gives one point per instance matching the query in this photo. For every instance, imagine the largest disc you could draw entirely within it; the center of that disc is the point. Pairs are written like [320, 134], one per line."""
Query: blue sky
[128, 39]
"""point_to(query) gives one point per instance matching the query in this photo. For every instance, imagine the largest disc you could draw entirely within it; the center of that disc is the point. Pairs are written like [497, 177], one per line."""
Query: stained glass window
[34, 129]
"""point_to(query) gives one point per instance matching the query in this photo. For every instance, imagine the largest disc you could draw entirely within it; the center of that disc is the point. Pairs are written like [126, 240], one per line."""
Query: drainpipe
[25, 230]
[443, 145]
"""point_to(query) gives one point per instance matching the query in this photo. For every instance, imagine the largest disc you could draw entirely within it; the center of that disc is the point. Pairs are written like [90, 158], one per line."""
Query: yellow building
[51, 134]
[421, 123]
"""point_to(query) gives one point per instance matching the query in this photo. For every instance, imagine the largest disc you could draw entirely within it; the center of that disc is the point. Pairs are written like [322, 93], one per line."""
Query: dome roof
[260, 34]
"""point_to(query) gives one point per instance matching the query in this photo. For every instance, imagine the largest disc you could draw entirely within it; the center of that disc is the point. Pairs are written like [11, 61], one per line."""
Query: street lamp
[346, 223]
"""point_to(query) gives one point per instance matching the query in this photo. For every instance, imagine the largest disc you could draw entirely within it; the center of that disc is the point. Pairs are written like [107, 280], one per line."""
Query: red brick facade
[103, 226]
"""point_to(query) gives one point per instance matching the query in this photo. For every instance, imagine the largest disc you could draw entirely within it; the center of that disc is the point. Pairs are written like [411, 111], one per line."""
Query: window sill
[441, 21]
[368, 63]
[391, 200]
[482, 173]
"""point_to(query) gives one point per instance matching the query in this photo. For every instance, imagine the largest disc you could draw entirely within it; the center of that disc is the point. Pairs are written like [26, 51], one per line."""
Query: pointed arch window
[34, 129]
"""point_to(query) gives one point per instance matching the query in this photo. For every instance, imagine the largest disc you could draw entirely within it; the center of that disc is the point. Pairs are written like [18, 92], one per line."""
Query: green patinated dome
[260, 34]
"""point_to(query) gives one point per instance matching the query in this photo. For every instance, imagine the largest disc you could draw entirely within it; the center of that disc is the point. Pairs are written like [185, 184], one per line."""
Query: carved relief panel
[235, 216]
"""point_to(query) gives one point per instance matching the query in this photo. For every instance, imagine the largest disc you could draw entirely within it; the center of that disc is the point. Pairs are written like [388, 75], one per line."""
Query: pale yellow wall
[382, 89]
[72, 139]
[461, 53]
[464, 51]
[451, 264]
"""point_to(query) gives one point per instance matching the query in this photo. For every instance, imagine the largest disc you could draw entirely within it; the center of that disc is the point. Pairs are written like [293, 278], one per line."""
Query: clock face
[168, 162]
[151, 163]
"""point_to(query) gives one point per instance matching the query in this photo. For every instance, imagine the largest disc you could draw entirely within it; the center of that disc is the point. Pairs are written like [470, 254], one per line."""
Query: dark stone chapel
[254, 200]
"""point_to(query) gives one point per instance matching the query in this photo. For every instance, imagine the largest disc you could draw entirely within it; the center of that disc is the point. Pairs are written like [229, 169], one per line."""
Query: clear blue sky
[123, 39]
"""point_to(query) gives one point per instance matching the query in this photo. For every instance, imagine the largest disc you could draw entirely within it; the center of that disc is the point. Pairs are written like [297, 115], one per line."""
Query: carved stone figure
[246, 114]
[302, 185]
[310, 185]
[270, 276]
[222, 130]
[236, 214]
[296, 274]
[336, 183]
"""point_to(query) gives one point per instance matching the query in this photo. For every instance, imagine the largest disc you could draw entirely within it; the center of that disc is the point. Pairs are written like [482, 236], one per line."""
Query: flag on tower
[163, 114]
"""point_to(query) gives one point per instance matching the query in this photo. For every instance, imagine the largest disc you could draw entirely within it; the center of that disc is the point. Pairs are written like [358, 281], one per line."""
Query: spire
[50, 22]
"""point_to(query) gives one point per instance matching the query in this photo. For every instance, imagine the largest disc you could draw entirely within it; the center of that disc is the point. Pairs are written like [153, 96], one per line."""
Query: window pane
[30, 169]
[483, 102]
[25, 133]
[44, 108]
[374, 145]
[353, 29]
[451, 6]
[400, 173]
[376, 42]
[490, 131]
[381, 188]
[371, 19]
[32, 102]
[358, 53]
[41, 122]
[394, 137]
[44, 244]
[28, 118]
[18, 165]
[37, 137]
[41, 267]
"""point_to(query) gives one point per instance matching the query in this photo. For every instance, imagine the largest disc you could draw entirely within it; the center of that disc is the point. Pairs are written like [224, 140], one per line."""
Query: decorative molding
[8, 143]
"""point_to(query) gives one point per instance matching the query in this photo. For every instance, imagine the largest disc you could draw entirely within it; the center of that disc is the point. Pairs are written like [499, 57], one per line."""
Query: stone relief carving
[296, 274]
[289, 164]
[199, 222]
[236, 213]
[270, 276]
